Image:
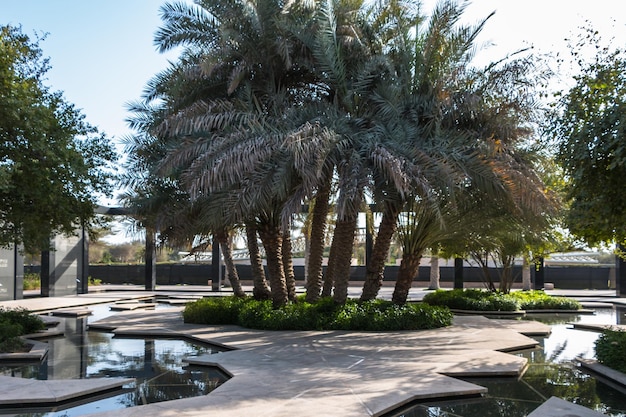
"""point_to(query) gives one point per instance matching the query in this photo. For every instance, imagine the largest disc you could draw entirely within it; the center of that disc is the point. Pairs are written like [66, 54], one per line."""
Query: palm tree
[237, 136]
[409, 106]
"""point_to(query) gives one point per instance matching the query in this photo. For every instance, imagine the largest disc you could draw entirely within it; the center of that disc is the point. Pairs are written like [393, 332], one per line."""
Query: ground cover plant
[325, 314]
[15, 323]
[611, 349]
[482, 300]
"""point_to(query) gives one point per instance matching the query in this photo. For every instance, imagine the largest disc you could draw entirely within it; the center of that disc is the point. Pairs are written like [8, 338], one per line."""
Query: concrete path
[325, 373]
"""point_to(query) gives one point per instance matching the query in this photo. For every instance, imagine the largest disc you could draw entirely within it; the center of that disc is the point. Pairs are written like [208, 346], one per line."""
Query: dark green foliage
[384, 315]
[611, 349]
[218, 310]
[54, 164]
[471, 299]
[589, 126]
[28, 322]
[15, 323]
[480, 300]
[374, 315]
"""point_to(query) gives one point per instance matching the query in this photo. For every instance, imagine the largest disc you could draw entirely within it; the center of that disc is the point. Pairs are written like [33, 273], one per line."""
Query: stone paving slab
[132, 306]
[557, 407]
[605, 371]
[598, 327]
[46, 304]
[21, 391]
[37, 352]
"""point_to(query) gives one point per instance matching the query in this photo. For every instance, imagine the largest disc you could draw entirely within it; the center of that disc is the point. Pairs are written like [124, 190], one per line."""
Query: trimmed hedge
[482, 300]
[539, 300]
[375, 315]
[611, 349]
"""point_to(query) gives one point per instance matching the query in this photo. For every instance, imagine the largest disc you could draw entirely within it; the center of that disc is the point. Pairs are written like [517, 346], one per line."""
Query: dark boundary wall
[572, 277]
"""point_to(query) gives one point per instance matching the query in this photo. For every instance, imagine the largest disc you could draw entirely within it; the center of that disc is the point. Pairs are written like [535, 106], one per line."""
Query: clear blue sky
[102, 51]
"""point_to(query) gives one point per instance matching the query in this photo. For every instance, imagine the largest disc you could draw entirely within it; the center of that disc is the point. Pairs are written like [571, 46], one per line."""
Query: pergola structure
[65, 268]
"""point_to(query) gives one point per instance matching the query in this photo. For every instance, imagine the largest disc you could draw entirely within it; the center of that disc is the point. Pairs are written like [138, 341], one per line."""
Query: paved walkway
[320, 373]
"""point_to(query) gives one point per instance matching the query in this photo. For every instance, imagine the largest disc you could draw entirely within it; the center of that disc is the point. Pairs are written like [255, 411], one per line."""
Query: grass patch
[611, 349]
[15, 323]
[482, 300]
[375, 315]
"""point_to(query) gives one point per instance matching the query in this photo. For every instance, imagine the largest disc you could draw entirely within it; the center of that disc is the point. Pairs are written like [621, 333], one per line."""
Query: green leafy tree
[589, 124]
[53, 164]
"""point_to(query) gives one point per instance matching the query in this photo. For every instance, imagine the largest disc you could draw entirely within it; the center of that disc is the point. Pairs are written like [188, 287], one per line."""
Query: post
[620, 271]
[150, 270]
[539, 274]
[216, 266]
[45, 274]
[458, 273]
[83, 262]
[369, 241]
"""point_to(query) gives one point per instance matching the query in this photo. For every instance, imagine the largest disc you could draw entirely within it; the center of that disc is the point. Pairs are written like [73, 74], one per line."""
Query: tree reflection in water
[155, 363]
[551, 372]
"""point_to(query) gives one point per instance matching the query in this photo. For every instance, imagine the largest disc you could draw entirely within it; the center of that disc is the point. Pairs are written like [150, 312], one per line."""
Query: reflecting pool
[552, 371]
[156, 364]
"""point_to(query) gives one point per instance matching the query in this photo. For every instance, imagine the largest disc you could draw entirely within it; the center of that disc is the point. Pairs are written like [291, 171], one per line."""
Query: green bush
[611, 349]
[32, 281]
[214, 310]
[324, 315]
[482, 300]
[30, 323]
[472, 299]
[15, 323]
[384, 315]
[539, 300]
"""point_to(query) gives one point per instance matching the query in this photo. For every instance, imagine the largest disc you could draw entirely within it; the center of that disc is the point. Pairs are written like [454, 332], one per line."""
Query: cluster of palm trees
[334, 105]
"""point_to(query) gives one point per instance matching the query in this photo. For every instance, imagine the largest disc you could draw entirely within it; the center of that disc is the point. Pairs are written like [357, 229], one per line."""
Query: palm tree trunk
[317, 243]
[344, 235]
[376, 266]
[272, 242]
[233, 276]
[409, 269]
[434, 273]
[290, 276]
[260, 291]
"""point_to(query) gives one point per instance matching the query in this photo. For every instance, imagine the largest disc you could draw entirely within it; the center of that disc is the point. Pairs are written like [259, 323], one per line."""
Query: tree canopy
[275, 104]
[590, 126]
[53, 163]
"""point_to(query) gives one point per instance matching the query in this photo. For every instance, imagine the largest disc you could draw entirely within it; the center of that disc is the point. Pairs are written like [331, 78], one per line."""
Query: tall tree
[54, 164]
[589, 125]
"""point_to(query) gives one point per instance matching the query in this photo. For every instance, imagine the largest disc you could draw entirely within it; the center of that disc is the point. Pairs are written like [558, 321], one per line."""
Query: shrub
[216, 310]
[322, 315]
[539, 300]
[32, 281]
[381, 315]
[611, 349]
[30, 323]
[481, 300]
[472, 299]
[15, 323]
